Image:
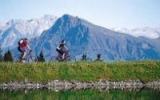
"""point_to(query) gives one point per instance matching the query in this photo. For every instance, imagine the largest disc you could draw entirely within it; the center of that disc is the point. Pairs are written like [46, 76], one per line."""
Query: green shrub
[8, 56]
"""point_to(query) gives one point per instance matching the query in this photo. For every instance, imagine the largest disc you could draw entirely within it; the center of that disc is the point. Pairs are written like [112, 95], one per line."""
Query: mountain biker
[24, 48]
[63, 52]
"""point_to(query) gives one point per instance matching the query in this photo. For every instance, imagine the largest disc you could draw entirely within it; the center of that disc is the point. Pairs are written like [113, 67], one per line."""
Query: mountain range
[82, 37]
[13, 30]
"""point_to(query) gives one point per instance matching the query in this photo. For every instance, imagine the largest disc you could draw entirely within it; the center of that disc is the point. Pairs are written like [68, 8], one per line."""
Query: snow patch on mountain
[13, 30]
[148, 32]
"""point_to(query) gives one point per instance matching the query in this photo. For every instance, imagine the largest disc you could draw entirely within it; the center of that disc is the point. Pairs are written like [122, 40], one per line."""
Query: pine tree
[84, 57]
[8, 56]
[98, 57]
[41, 57]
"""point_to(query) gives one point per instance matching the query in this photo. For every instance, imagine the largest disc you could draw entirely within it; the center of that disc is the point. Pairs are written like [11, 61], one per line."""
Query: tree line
[9, 58]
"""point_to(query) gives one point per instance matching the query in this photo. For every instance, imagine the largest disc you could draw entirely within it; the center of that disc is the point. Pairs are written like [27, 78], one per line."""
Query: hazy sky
[107, 13]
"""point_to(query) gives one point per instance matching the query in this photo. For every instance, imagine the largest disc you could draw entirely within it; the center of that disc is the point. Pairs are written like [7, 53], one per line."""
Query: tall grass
[84, 71]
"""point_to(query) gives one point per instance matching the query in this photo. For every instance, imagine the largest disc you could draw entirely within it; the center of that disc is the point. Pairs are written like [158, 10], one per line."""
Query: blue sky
[107, 13]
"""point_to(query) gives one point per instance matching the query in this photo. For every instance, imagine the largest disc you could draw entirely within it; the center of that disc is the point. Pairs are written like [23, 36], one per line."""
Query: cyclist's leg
[24, 56]
[20, 58]
[30, 59]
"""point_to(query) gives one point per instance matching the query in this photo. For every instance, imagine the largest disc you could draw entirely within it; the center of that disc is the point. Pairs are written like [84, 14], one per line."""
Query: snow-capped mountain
[148, 32]
[13, 30]
[81, 37]
[84, 37]
[2, 25]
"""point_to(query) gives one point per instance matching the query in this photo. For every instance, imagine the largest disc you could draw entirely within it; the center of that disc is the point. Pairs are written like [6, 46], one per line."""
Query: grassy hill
[83, 71]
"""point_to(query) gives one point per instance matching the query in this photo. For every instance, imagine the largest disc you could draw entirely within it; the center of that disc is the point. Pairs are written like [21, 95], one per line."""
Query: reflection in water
[145, 94]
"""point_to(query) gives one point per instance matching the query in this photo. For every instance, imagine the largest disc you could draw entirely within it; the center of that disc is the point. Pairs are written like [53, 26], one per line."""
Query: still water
[145, 94]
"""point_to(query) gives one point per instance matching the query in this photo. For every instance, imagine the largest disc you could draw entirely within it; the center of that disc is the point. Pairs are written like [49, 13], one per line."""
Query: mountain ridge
[83, 37]
[147, 32]
[112, 45]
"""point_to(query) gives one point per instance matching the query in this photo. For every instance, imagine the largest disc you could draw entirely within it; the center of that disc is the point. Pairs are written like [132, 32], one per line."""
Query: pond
[144, 94]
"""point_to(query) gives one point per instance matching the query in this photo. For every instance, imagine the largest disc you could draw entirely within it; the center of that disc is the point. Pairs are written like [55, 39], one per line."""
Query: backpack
[19, 49]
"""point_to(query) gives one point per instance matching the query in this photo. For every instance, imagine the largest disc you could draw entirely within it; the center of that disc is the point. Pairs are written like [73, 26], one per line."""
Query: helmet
[63, 42]
[21, 41]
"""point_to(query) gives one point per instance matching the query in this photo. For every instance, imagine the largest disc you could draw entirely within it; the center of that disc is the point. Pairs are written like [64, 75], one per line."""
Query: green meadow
[82, 71]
